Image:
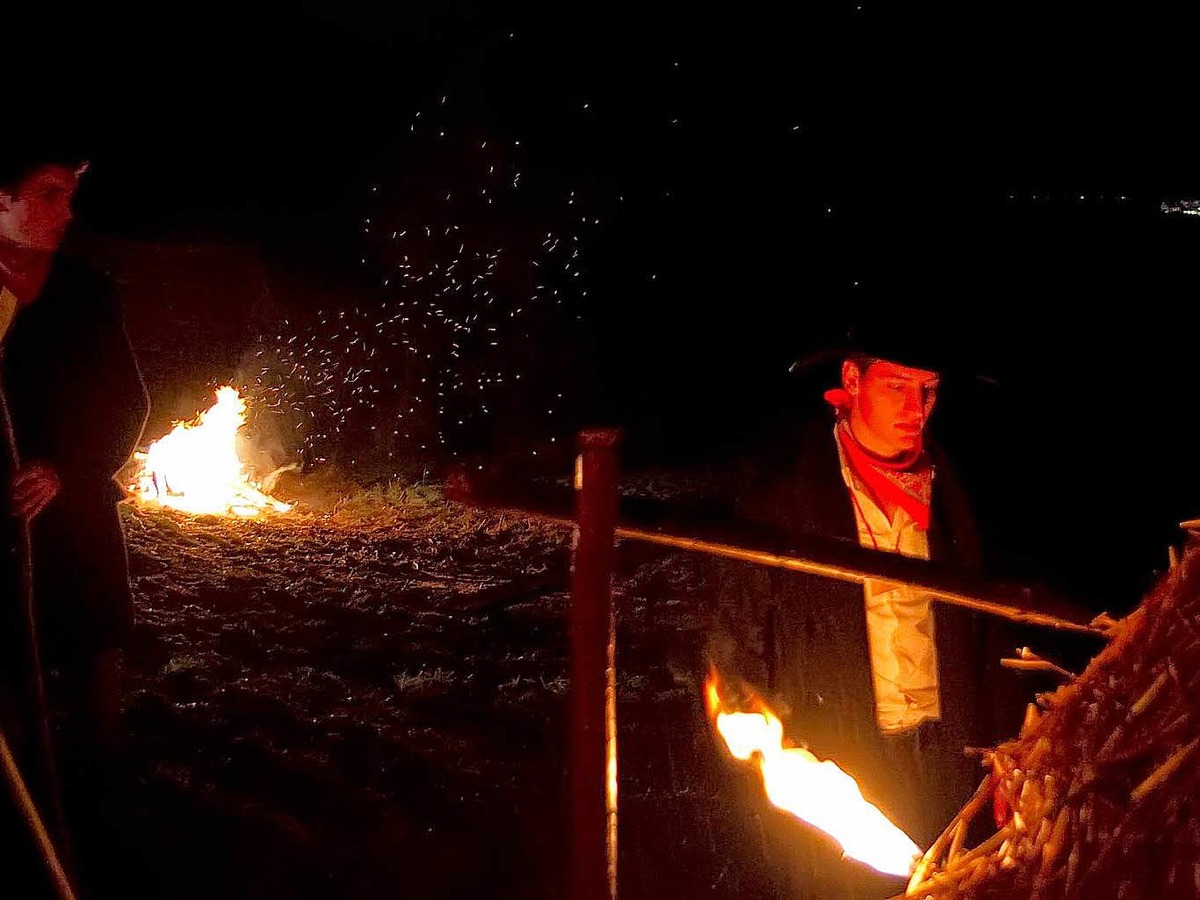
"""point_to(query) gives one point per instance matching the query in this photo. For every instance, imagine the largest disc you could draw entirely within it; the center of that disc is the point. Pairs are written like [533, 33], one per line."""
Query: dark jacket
[78, 402]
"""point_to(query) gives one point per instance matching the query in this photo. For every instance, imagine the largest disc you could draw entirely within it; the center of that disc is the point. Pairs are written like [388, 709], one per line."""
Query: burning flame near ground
[195, 468]
[816, 791]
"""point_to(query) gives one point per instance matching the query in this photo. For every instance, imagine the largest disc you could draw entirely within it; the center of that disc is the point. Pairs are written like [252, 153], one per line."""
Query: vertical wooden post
[593, 671]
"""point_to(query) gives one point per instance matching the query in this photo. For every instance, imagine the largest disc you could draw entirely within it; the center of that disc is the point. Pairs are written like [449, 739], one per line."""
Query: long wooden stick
[834, 559]
[20, 794]
[859, 574]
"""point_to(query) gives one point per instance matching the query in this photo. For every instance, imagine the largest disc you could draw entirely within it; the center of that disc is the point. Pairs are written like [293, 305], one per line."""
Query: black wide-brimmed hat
[909, 327]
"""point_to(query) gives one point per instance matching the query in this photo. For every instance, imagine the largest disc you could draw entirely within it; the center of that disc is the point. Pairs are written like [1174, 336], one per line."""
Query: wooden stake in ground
[593, 672]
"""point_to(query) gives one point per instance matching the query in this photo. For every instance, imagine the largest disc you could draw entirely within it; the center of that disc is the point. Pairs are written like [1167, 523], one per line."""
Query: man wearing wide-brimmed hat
[875, 678]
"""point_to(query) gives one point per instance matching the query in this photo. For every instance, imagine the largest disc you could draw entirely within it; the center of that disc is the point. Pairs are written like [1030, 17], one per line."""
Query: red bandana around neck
[906, 482]
[23, 272]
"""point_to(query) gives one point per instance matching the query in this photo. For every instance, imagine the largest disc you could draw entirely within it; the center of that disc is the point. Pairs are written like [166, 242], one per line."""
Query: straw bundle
[1103, 782]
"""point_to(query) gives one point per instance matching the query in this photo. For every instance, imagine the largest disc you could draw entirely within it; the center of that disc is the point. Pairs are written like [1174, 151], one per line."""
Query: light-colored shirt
[899, 619]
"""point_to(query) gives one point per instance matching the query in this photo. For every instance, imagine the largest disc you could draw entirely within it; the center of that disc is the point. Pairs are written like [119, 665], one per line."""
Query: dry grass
[1104, 779]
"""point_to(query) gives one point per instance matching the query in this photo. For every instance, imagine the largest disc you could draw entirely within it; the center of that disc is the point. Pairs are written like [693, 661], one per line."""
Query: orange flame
[816, 791]
[195, 467]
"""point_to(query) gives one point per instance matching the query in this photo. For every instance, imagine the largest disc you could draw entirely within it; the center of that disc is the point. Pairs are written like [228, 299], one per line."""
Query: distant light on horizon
[1188, 207]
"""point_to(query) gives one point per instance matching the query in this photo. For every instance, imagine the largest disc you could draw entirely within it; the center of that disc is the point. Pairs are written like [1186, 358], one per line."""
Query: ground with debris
[369, 698]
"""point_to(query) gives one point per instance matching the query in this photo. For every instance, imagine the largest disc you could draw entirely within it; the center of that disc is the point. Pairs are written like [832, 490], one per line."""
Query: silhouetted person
[78, 406]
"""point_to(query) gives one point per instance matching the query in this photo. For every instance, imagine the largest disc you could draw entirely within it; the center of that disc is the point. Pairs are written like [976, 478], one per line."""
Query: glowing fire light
[814, 790]
[195, 468]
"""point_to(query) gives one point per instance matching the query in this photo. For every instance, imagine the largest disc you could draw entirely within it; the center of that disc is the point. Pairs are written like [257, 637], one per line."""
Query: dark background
[749, 163]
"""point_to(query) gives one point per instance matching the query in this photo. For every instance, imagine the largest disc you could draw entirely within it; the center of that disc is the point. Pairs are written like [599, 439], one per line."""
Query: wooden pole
[1008, 608]
[23, 800]
[593, 671]
[1027, 604]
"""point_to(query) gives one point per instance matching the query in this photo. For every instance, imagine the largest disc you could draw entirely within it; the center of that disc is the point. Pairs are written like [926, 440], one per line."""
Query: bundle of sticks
[1099, 796]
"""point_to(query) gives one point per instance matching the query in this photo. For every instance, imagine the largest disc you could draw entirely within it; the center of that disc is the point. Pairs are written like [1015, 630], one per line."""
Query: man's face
[890, 405]
[35, 215]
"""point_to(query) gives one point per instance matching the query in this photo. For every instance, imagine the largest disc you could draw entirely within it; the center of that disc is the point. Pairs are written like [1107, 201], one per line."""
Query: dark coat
[803, 638]
[78, 402]
[23, 716]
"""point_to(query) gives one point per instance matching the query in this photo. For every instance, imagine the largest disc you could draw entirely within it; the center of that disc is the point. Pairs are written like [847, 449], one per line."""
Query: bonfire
[196, 468]
[1099, 796]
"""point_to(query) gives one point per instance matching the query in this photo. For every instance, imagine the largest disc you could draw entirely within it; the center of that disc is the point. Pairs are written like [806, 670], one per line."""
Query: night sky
[996, 168]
